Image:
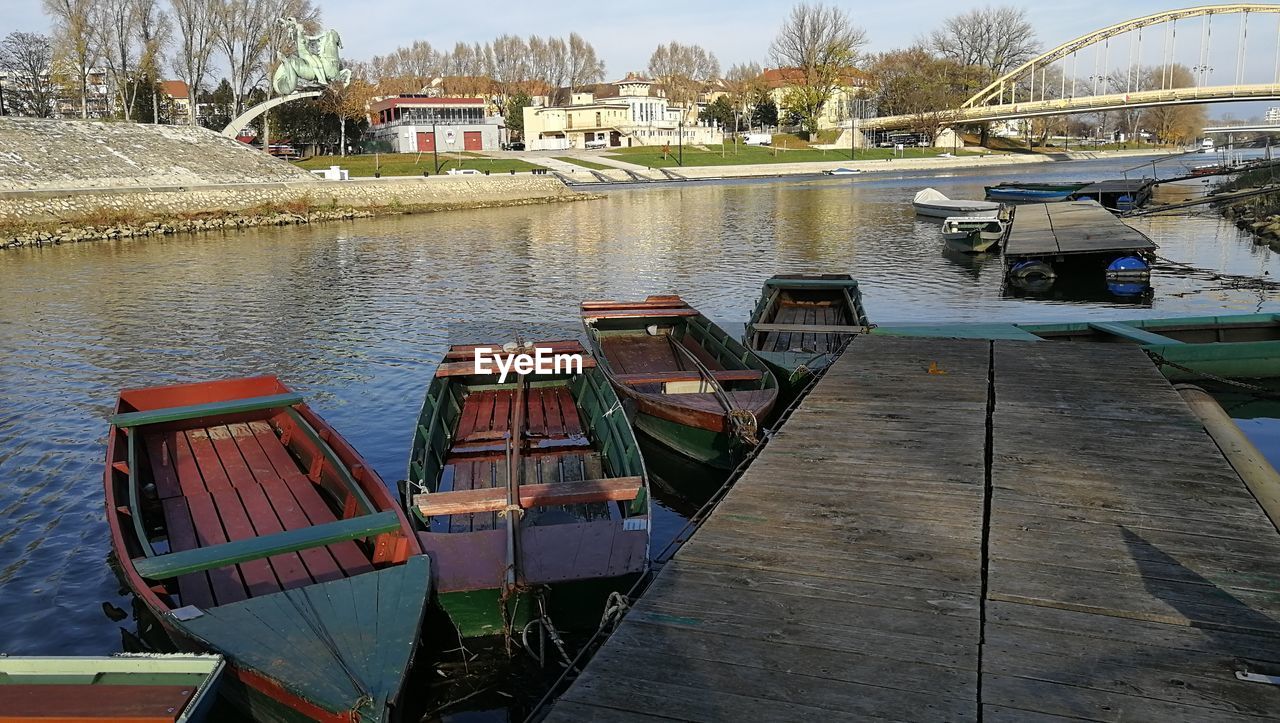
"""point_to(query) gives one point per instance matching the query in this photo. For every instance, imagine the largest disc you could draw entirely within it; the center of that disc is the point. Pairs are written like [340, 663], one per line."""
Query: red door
[472, 141]
[426, 142]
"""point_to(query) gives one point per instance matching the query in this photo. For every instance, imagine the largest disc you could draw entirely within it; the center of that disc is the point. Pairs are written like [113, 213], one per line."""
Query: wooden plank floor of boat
[1030, 531]
[233, 482]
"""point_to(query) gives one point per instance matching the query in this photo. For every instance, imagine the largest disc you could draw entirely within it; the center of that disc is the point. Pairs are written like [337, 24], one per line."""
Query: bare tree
[75, 30]
[154, 31]
[244, 27]
[26, 59]
[997, 39]
[197, 24]
[583, 66]
[118, 40]
[682, 70]
[511, 62]
[822, 43]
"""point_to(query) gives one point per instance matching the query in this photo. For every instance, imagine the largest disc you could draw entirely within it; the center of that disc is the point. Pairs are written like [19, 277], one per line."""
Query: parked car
[758, 139]
[595, 145]
[464, 172]
[513, 146]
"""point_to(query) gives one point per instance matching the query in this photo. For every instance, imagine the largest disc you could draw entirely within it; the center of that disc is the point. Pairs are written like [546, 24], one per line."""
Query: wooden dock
[1070, 228]
[964, 530]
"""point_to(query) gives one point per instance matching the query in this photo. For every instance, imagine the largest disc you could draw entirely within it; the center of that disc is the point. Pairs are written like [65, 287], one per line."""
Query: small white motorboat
[973, 234]
[931, 202]
[843, 171]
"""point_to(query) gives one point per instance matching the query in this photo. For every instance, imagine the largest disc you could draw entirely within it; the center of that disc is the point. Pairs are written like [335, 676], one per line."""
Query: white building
[627, 113]
[1273, 115]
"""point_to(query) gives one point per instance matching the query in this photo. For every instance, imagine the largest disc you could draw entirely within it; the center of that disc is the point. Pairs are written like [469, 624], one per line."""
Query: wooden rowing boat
[551, 451]
[685, 382]
[250, 528]
[130, 688]
[801, 321]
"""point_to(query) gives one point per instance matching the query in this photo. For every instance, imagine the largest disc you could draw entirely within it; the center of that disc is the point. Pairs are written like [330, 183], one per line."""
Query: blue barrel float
[1128, 276]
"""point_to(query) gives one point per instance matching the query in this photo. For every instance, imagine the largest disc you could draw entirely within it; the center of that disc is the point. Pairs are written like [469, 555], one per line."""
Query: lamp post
[680, 127]
[435, 143]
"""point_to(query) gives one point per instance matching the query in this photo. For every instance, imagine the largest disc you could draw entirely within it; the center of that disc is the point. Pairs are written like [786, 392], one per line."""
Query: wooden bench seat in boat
[213, 409]
[723, 375]
[809, 328]
[494, 499]
[238, 483]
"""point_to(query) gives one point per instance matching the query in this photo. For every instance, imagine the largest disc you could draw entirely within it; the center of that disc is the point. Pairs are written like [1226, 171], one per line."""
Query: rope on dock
[1257, 390]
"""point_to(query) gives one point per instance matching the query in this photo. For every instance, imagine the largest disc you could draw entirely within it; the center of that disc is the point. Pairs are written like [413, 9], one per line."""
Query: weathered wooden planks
[1070, 227]
[841, 575]
[1129, 573]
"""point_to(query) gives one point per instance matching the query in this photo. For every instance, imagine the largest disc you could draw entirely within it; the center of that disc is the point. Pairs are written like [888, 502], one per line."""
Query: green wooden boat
[683, 380]
[801, 321]
[249, 527]
[552, 452]
[125, 688]
[1185, 348]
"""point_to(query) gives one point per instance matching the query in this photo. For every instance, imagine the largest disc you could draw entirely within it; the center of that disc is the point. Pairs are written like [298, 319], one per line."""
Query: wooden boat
[1034, 192]
[547, 450]
[685, 382]
[973, 234]
[930, 202]
[1184, 348]
[250, 528]
[801, 321]
[122, 688]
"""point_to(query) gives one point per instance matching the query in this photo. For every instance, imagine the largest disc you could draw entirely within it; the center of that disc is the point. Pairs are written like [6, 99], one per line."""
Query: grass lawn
[651, 156]
[413, 164]
[584, 163]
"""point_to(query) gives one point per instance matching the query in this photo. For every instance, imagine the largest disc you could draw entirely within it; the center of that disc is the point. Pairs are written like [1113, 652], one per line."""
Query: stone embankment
[1258, 214]
[79, 181]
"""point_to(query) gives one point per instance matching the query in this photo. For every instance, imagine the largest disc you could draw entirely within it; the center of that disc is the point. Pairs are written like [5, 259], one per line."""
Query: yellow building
[625, 113]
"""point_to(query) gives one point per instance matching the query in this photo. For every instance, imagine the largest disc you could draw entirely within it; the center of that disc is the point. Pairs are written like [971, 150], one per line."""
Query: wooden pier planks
[841, 575]
[1129, 573]
[1070, 227]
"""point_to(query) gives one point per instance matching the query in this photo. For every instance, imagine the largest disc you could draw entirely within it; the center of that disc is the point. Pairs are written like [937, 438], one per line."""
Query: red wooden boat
[250, 528]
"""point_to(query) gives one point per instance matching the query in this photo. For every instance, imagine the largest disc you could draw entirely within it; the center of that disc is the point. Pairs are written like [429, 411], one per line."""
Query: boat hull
[714, 449]
[973, 243]
[1027, 195]
[955, 208]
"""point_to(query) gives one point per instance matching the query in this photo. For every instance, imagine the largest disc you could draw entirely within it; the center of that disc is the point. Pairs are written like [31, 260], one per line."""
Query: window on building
[598, 123]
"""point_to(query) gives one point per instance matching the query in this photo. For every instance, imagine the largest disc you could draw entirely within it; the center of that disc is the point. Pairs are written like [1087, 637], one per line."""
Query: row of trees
[137, 42]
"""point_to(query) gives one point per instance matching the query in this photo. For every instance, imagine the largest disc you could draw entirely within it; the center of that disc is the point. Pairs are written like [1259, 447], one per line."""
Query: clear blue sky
[735, 30]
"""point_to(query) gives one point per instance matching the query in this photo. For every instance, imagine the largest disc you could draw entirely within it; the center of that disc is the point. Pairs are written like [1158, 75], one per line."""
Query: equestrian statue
[315, 62]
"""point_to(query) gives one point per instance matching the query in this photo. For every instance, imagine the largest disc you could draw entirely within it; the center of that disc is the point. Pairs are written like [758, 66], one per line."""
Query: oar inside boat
[527, 487]
[688, 384]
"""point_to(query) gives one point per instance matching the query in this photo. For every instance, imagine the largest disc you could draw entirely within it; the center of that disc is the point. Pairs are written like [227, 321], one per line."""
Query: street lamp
[680, 127]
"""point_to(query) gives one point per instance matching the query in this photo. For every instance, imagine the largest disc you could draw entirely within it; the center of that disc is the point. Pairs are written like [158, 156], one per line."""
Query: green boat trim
[70, 684]
[793, 367]
[1185, 348]
[669, 362]
[573, 433]
[330, 643]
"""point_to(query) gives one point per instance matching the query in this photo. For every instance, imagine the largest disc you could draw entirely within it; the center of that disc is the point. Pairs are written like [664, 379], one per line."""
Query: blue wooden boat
[1032, 192]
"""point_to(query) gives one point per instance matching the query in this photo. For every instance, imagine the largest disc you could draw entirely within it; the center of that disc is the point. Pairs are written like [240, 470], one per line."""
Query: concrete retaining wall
[410, 193]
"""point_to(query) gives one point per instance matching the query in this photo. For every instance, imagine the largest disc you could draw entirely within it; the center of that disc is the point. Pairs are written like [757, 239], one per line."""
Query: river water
[356, 316]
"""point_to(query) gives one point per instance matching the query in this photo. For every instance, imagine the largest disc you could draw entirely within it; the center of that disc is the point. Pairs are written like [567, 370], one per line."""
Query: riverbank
[623, 172]
[1258, 214]
[92, 214]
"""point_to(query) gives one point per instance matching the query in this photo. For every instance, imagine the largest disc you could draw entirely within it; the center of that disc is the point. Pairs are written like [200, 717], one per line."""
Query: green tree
[719, 111]
[514, 116]
[764, 112]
